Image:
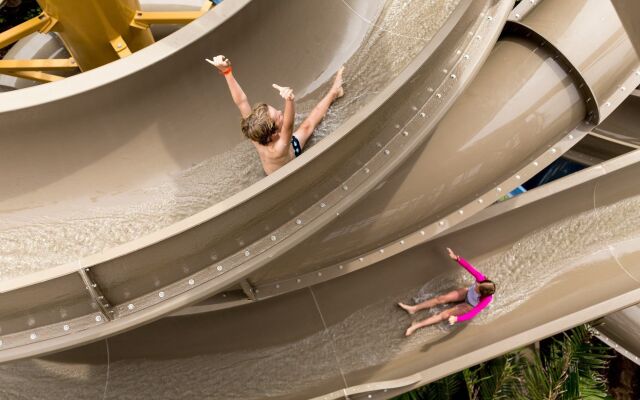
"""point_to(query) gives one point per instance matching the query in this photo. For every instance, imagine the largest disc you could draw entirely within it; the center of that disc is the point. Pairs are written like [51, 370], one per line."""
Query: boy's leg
[458, 309]
[453, 296]
[305, 130]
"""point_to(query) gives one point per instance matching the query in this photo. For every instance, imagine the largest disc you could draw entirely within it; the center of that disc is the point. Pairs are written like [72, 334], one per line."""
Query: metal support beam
[34, 76]
[92, 29]
[40, 23]
[120, 46]
[96, 294]
[248, 290]
[37, 65]
[143, 19]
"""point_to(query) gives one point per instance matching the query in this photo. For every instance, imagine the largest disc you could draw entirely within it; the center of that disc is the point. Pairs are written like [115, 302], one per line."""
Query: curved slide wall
[566, 89]
[124, 271]
[348, 333]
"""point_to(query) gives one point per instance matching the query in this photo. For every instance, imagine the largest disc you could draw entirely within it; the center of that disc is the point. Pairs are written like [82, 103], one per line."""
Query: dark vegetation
[14, 13]
[568, 366]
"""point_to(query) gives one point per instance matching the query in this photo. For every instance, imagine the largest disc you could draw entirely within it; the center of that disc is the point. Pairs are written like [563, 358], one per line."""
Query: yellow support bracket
[35, 76]
[143, 19]
[53, 64]
[42, 23]
[120, 46]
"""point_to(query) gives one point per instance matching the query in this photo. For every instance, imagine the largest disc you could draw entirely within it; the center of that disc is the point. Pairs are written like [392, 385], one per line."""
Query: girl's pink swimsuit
[483, 301]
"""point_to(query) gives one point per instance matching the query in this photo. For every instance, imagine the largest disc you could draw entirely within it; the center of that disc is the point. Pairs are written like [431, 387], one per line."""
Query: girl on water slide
[471, 300]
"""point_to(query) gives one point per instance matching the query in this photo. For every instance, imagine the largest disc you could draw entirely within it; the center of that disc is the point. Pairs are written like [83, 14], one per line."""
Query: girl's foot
[410, 309]
[336, 88]
[411, 329]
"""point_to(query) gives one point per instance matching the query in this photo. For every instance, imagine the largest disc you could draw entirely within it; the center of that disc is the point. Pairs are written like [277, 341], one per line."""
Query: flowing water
[32, 240]
[371, 336]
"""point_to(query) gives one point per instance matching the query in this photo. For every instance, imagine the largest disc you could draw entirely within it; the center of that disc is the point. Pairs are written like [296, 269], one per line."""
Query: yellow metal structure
[144, 19]
[95, 32]
[88, 28]
[120, 46]
[37, 65]
[34, 76]
[39, 23]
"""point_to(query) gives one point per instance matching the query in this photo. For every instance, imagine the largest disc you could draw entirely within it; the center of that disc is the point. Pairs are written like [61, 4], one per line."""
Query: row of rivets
[322, 205]
[406, 133]
[461, 211]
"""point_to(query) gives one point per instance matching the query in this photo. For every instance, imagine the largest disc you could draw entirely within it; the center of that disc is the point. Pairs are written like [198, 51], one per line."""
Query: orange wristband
[226, 71]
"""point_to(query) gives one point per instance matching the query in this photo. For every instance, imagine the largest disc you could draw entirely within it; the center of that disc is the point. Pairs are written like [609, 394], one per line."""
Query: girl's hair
[259, 126]
[486, 288]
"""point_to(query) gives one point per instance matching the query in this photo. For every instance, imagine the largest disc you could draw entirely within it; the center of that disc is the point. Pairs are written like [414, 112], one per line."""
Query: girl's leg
[458, 309]
[453, 296]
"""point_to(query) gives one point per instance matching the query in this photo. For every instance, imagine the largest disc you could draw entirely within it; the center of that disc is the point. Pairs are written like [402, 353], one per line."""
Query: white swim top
[473, 298]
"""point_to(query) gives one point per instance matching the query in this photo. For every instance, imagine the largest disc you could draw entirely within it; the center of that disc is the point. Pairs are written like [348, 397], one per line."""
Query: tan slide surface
[440, 120]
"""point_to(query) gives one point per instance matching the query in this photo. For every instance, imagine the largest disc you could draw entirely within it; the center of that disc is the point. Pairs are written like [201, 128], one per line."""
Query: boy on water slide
[471, 300]
[271, 131]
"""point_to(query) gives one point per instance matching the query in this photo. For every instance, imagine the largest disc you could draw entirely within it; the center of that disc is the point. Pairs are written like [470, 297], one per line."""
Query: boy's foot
[336, 88]
[408, 308]
[411, 329]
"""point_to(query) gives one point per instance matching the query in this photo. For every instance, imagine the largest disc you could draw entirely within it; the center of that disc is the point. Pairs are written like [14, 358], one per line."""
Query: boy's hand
[285, 92]
[452, 254]
[221, 62]
[453, 319]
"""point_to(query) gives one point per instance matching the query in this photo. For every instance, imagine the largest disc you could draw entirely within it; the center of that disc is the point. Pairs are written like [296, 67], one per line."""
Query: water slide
[302, 268]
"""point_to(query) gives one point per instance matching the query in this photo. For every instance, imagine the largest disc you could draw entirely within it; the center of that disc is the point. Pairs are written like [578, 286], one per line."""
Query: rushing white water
[36, 239]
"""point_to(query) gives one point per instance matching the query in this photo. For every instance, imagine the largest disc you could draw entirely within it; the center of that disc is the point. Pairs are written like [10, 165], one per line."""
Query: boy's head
[262, 123]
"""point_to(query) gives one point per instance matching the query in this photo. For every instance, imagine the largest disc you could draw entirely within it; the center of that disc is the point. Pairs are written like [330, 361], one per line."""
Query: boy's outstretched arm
[320, 110]
[224, 66]
[289, 112]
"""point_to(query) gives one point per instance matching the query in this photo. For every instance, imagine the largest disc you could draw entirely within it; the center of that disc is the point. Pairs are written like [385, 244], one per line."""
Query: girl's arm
[473, 312]
[237, 94]
[465, 264]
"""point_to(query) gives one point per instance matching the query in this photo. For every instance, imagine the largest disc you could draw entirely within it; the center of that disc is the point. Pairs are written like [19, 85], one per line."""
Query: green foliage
[571, 367]
[12, 16]
[500, 379]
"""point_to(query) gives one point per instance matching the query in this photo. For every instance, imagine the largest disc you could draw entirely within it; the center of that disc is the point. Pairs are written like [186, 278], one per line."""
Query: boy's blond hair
[259, 126]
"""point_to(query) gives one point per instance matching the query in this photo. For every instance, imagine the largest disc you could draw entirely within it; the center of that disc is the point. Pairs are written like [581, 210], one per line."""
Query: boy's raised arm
[239, 98]
[289, 112]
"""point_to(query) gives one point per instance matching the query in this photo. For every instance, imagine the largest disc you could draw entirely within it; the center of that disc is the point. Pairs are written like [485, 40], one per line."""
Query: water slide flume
[350, 193]
[154, 258]
[352, 334]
